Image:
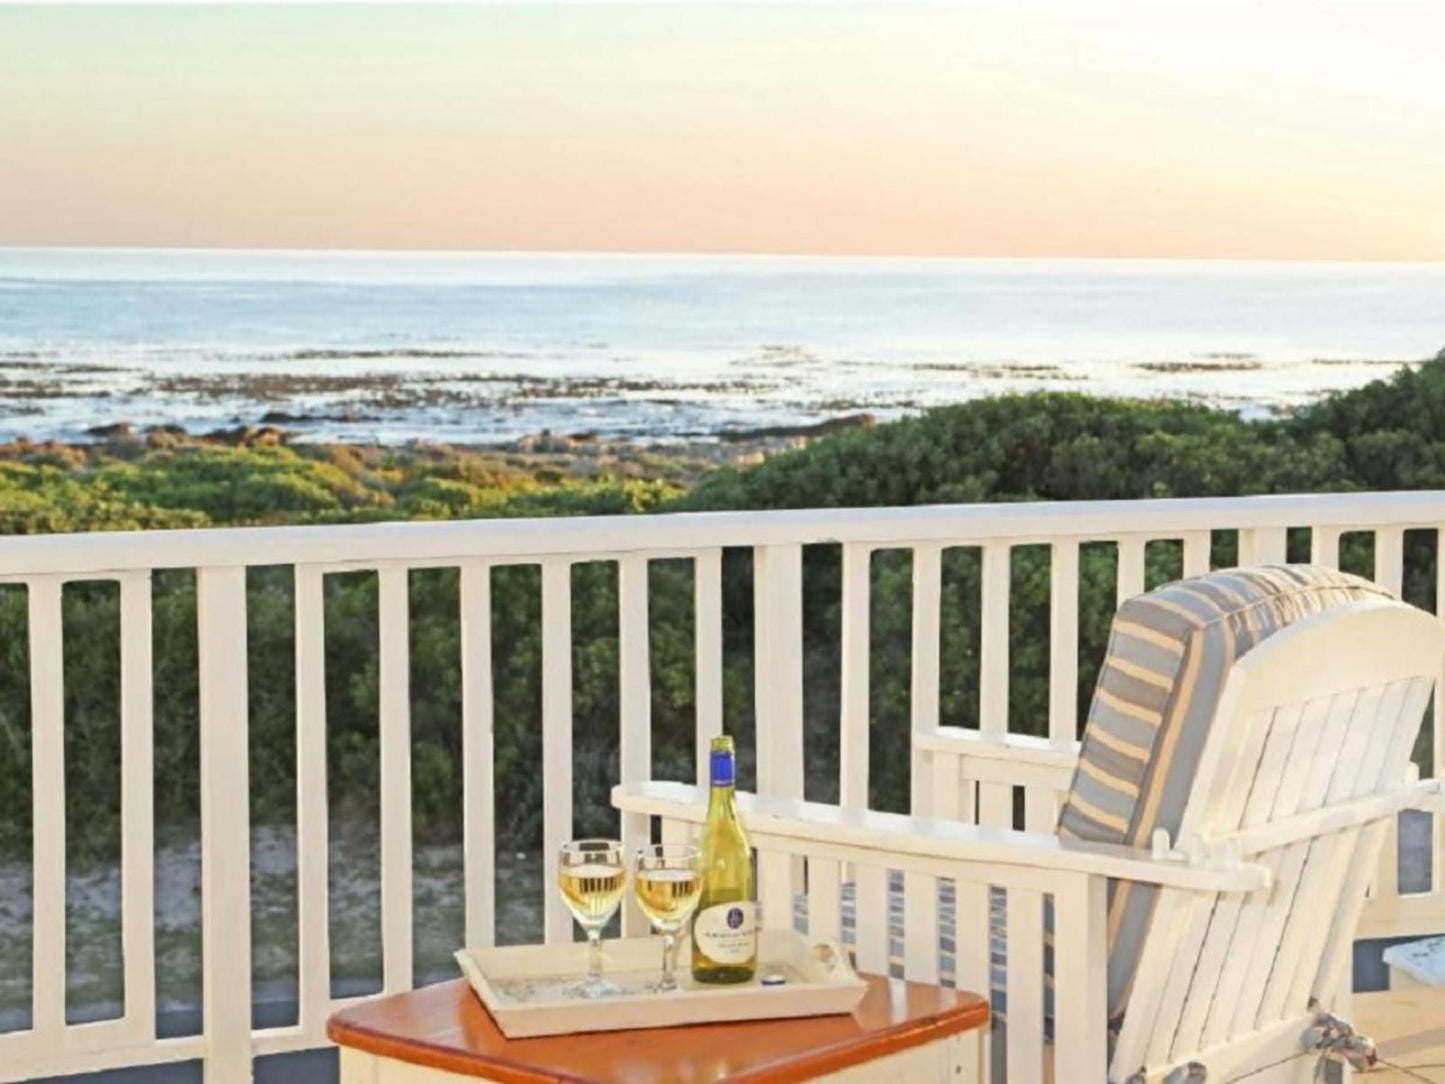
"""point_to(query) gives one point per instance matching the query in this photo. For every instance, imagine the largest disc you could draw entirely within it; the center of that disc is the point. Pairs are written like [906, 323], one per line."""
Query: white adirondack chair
[1305, 767]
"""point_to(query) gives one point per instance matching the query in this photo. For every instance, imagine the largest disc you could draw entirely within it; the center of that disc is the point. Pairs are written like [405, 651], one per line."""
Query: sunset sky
[1300, 131]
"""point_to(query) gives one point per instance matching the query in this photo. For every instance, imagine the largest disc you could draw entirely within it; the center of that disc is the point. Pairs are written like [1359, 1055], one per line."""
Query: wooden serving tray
[521, 986]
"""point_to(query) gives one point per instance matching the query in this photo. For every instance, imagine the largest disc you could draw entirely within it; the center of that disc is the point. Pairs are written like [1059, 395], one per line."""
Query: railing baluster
[927, 601]
[1025, 981]
[556, 732]
[995, 799]
[707, 608]
[478, 794]
[920, 890]
[137, 854]
[1262, 546]
[1196, 553]
[1389, 574]
[1130, 581]
[1080, 983]
[396, 858]
[1064, 642]
[870, 883]
[47, 774]
[778, 654]
[1390, 559]
[1325, 546]
[312, 825]
[778, 651]
[225, 823]
[635, 702]
[853, 752]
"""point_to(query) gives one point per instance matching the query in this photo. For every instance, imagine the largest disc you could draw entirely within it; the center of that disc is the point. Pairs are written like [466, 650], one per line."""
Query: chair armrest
[1018, 759]
[897, 837]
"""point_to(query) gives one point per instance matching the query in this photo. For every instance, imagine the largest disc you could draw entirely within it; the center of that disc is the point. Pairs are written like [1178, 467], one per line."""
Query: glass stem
[669, 960]
[594, 955]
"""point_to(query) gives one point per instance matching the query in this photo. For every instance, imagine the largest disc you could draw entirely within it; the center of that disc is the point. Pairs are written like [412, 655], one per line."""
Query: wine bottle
[724, 930]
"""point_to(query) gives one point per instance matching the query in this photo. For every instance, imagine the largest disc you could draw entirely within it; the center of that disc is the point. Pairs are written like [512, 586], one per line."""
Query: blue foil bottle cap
[721, 762]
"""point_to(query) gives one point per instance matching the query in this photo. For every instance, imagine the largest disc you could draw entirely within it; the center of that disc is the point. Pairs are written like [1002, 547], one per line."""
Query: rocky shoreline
[580, 454]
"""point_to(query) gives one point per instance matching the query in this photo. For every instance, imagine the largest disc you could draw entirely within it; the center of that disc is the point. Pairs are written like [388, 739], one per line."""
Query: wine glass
[592, 877]
[668, 884]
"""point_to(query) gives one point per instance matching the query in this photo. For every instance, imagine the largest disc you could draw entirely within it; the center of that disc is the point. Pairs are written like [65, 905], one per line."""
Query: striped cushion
[1169, 653]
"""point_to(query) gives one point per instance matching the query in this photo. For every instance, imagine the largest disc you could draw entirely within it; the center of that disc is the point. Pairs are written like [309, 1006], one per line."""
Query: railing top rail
[101, 553]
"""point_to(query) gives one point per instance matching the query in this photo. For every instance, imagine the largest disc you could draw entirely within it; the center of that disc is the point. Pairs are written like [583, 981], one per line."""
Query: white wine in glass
[592, 877]
[668, 883]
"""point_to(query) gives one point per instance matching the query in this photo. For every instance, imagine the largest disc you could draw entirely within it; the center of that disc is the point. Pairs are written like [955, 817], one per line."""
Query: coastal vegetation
[1046, 446]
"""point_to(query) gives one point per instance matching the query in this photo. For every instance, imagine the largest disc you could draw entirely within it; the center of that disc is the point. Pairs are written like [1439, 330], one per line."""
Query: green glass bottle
[724, 929]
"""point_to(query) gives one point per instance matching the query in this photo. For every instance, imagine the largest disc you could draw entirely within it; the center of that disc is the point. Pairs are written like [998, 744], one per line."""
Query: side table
[901, 1031]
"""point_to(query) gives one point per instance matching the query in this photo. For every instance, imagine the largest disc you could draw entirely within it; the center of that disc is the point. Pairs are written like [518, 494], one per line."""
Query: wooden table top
[445, 1027]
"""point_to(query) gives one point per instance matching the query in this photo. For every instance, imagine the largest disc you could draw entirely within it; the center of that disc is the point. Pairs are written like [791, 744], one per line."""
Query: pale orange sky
[1300, 131]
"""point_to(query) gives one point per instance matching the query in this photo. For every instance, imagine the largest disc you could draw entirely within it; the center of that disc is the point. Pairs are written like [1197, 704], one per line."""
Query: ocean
[475, 347]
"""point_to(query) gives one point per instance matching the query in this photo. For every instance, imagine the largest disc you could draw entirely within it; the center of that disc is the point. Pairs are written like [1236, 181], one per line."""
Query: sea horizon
[485, 347]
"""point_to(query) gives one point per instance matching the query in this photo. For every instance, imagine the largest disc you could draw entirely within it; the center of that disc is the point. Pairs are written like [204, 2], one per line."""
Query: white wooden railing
[995, 759]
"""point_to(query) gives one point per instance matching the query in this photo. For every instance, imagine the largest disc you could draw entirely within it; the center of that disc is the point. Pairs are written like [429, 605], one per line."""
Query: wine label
[727, 932]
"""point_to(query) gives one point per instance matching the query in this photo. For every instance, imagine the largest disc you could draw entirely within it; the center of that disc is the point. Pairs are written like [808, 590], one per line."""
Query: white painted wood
[1330, 779]
[1390, 559]
[556, 738]
[895, 837]
[1196, 553]
[707, 606]
[995, 800]
[1392, 768]
[312, 818]
[778, 690]
[1130, 580]
[871, 919]
[47, 785]
[923, 704]
[1041, 809]
[1064, 643]
[635, 698]
[478, 756]
[526, 541]
[870, 882]
[1269, 775]
[1389, 574]
[778, 608]
[1325, 546]
[1284, 766]
[1080, 976]
[403, 546]
[1286, 860]
[1025, 986]
[45, 1061]
[853, 748]
[824, 983]
[1262, 546]
[920, 891]
[1023, 749]
[1437, 769]
[825, 914]
[225, 831]
[949, 799]
[137, 807]
[921, 934]
[395, 703]
[678, 832]
[971, 936]
[356, 1066]
[775, 884]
